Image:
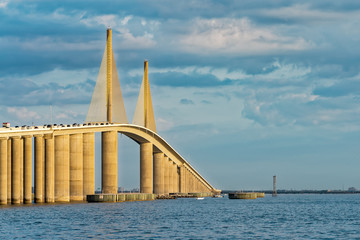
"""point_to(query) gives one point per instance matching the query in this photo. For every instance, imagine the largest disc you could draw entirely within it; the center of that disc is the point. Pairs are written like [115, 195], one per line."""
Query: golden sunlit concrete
[3, 171]
[49, 169]
[159, 173]
[76, 167]
[109, 162]
[146, 167]
[89, 164]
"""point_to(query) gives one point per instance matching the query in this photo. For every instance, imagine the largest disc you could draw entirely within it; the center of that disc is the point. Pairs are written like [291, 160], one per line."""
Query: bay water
[297, 216]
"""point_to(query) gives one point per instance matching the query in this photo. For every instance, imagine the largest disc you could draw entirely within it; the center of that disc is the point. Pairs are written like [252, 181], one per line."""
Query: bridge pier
[3, 171]
[39, 169]
[109, 162]
[182, 179]
[76, 167]
[21, 170]
[171, 176]
[15, 170]
[146, 167]
[27, 169]
[159, 173]
[166, 175]
[176, 178]
[49, 169]
[62, 169]
[9, 170]
[89, 164]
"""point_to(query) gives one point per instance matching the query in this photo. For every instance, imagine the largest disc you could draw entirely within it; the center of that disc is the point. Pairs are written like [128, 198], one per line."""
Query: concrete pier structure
[15, 169]
[39, 169]
[49, 169]
[3, 170]
[89, 164]
[109, 162]
[62, 169]
[146, 167]
[166, 175]
[159, 173]
[21, 170]
[27, 169]
[76, 167]
[9, 170]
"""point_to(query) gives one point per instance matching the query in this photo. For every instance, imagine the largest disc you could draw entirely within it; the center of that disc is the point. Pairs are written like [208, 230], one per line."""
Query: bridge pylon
[144, 113]
[107, 104]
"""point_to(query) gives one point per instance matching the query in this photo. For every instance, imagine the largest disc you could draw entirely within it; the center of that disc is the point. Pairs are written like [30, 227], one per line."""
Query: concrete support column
[171, 176]
[159, 173]
[188, 181]
[76, 167]
[182, 179]
[21, 170]
[146, 168]
[49, 169]
[166, 175]
[176, 178]
[62, 169]
[89, 163]
[3, 171]
[109, 162]
[39, 169]
[9, 170]
[15, 170]
[27, 169]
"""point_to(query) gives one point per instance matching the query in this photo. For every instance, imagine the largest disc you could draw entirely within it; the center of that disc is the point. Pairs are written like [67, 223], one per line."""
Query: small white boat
[200, 198]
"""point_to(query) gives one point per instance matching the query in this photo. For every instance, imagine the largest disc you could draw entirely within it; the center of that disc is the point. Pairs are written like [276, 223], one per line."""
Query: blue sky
[242, 89]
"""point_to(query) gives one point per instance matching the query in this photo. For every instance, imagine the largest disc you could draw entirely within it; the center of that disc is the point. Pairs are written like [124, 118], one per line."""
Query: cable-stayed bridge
[64, 155]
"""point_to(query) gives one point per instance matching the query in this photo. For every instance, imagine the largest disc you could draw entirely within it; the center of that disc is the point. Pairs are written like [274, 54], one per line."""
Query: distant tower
[274, 193]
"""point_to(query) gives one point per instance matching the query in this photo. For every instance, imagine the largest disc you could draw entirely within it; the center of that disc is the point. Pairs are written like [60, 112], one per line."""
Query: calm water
[283, 217]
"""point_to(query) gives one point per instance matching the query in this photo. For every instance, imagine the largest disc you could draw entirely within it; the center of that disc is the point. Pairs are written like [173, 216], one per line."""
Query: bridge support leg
[89, 163]
[76, 167]
[146, 168]
[158, 173]
[182, 179]
[49, 169]
[39, 169]
[109, 162]
[27, 169]
[21, 170]
[188, 181]
[166, 175]
[3, 171]
[9, 170]
[62, 169]
[15, 170]
[171, 176]
[175, 178]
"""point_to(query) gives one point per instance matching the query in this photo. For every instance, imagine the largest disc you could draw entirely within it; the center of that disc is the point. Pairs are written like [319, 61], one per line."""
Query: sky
[243, 90]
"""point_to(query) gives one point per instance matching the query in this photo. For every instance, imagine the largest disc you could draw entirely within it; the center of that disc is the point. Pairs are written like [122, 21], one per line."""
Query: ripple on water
[284, 217]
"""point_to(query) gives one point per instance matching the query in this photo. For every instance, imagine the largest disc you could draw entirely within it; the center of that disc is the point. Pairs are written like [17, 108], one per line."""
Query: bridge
[64, 155]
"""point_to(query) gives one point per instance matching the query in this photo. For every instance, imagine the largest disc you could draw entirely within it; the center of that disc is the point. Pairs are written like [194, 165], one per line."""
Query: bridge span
[64, 155]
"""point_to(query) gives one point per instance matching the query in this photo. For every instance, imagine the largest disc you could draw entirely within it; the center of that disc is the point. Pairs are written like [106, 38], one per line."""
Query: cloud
[32, 94]
[235, 36]
[23, 113]
[186, 101]
[3, 3]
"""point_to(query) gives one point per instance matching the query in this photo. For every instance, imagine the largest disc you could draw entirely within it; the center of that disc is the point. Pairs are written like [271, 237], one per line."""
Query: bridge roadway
[162, 169]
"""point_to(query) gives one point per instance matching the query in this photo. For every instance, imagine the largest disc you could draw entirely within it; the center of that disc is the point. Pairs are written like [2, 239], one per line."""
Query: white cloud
[126, 40]
[236, 36]
[3, 3]
[23, 113]
[305, 13]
